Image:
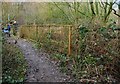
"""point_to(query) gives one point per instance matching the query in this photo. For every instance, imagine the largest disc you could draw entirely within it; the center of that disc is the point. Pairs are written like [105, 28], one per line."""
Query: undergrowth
[13, 64]
[97, 59]
[94, 55]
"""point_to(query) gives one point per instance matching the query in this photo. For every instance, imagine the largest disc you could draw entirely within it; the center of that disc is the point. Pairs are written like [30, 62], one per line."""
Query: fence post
[29, 27]
[49, 35]
[36, 27]
[69, 43]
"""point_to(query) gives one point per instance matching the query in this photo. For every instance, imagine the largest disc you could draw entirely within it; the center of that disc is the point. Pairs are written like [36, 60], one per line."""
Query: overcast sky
[51, 0]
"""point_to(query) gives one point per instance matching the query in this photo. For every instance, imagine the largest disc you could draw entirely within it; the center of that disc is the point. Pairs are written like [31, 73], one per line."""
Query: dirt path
[40, 68]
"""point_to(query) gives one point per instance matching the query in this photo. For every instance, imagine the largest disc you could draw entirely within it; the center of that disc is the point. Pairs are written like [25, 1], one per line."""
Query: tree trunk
[97, 9]
[92, 8]
[119, 14]
[109, 11]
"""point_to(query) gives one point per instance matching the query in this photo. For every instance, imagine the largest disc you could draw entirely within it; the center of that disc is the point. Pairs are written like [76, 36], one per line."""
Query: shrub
[14, 65]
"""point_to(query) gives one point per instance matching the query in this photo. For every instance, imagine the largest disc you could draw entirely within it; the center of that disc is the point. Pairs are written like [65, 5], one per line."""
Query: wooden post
[69, 43]
[49, 34]
[29, 27]
[36, 28]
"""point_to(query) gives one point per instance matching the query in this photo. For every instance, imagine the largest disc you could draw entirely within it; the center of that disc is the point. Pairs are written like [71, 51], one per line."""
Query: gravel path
[40, 67]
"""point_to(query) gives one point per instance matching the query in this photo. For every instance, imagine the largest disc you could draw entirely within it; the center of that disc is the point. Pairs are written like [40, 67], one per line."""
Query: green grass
[14, 64]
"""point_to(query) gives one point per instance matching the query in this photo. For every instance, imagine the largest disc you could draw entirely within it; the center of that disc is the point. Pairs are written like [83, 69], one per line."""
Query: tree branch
[115, 12]
[62, 11]
[77, 10]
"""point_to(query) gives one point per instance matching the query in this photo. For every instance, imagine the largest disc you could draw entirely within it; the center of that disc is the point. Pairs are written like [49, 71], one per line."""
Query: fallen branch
[88, 80]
